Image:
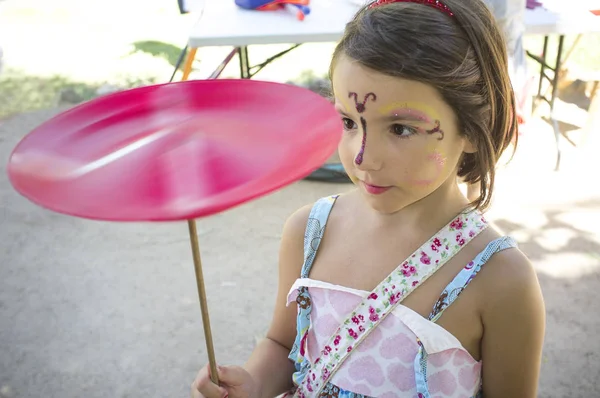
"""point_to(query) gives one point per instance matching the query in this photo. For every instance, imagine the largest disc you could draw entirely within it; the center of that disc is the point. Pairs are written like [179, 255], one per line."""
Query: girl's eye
[349, 124]
[403, 131]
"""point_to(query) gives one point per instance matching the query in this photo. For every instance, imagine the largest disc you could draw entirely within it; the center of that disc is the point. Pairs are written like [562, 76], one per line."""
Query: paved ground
[109, 310]
[102, 310]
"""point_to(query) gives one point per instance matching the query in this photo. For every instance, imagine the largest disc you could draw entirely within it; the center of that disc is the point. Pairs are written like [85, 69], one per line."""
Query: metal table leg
[554, 80]
[557, 132]
[244, 62]
[179, 62]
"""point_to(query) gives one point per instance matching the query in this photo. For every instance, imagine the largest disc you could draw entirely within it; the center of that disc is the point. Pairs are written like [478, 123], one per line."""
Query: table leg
[187, 68]
[247, 71]
[588, 142]
[542, 61]
[179, 62]
[244, 62]
[555, 81]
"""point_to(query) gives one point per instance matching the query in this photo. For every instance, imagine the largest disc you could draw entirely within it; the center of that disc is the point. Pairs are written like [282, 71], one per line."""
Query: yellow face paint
[345, 105]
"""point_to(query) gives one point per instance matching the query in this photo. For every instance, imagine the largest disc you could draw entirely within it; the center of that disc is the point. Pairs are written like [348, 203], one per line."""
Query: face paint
[418, 112]
[345, 105]
[411, 114]
[361, 152]
[437, 129]
[439, 161]
[435, 156]
[410, 106]
[360, 108]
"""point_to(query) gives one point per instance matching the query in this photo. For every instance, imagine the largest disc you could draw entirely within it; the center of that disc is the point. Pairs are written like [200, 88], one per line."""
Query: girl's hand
[235, 382]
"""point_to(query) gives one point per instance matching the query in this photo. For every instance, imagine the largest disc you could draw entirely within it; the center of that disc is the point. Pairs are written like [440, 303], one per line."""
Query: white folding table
[222, 23]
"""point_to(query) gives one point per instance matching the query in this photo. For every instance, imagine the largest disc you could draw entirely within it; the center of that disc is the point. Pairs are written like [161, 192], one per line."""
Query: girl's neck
[430, 213]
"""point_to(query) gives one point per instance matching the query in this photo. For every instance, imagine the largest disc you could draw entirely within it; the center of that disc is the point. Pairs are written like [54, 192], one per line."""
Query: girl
[401, 288]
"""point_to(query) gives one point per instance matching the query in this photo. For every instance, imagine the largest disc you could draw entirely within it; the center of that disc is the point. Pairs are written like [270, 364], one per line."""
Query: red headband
[432, 3]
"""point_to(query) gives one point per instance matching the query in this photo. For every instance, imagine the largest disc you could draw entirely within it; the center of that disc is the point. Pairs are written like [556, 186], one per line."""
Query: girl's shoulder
[319, 209]
[298, 220]
[292, 244]
[506, 267]
[508, 280]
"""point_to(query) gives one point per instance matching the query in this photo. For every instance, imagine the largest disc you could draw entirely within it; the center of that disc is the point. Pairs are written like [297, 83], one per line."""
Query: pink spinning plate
[175, 151]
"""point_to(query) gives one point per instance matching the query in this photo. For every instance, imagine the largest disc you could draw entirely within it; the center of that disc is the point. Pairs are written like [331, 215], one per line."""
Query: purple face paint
[361, 152]
[408, 113]
[360, 108]
[437, 129]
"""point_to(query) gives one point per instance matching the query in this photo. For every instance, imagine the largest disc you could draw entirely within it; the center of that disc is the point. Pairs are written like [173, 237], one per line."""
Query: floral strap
[423, 263]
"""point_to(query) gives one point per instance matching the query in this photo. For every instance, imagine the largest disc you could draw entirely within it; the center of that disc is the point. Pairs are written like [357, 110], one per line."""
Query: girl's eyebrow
[341, 111]
[418, 109]
[403, 114]
[409, 115]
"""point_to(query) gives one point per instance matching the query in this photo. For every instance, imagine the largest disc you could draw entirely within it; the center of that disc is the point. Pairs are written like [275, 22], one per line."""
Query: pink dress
[406, 355]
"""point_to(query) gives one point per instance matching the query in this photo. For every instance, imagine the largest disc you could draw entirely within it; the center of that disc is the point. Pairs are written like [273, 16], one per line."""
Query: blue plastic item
[252, 4]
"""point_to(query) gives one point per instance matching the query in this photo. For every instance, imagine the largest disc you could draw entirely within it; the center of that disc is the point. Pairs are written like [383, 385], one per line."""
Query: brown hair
[463, 57]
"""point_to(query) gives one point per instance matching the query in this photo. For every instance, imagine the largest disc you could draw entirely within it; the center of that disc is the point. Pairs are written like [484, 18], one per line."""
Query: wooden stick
[203, 304]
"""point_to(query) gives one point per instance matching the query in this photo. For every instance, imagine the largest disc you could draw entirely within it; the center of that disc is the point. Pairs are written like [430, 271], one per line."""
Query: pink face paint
[360, 108]
[413, 107]
[416, 115]
[440, 162]
[411, 114]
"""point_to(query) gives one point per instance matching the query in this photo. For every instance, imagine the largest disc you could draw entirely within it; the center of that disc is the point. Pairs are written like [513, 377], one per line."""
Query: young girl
[401, 289]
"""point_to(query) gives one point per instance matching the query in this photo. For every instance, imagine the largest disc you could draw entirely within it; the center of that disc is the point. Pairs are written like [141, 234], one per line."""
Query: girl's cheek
[425, 167]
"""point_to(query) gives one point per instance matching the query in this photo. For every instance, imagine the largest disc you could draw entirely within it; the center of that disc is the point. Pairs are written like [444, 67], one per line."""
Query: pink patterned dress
[406, 355]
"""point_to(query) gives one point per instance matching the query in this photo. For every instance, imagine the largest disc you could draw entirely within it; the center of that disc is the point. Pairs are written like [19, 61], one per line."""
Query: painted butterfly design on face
[361, 106]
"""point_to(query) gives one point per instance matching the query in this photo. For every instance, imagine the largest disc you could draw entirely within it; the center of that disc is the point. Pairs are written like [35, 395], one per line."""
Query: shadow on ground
[578, 241]
[569, 273]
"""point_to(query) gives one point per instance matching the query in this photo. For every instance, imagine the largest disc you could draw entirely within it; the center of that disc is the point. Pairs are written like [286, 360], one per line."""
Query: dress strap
[315, 228]
[466, 275]
[415, 270]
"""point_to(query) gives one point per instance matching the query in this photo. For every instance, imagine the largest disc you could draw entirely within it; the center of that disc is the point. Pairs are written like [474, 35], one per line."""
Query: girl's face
[400, 141]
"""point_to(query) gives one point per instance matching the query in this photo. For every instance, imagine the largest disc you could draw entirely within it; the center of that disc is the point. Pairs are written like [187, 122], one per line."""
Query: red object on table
[175, 151]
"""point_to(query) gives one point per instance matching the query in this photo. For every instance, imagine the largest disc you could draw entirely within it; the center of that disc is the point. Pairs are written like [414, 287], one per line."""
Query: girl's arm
[269, 364]
[514, 323]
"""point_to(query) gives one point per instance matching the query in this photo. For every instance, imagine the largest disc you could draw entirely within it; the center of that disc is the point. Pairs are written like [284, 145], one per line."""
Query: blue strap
[466, 275]
[315, 228]
[449, 295]
[312, 238]
[420, 366]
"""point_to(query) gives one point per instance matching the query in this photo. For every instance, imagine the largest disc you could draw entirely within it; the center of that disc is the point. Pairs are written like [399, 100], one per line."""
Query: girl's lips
[374, 189]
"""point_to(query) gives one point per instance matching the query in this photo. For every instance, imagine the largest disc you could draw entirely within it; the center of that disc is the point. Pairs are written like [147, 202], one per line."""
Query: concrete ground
[106, 310]
[95, 309]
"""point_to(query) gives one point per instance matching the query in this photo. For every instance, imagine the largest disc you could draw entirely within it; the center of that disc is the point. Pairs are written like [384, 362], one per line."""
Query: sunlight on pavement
[568, 265]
